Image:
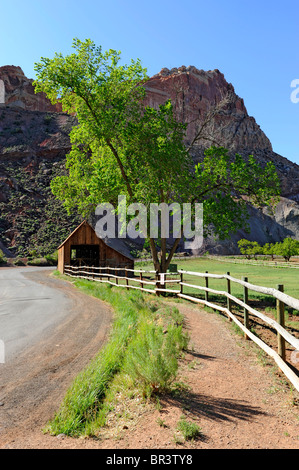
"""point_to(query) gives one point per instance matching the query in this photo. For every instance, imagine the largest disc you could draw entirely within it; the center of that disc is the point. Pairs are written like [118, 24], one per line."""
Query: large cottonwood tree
[121, 147]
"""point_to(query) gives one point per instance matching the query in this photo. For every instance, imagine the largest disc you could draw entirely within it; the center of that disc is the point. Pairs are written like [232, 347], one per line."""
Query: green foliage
[249, 248]
[18, 262]
[189, 429]
[288, 248]
[83, 407]
[222, 182]
[2, 258]
[269, 249]
[121, 147]
[152, 357]
[40, 223]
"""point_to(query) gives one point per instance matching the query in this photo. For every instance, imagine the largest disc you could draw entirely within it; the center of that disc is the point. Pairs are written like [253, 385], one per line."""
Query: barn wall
[85, 235]
[60, 264]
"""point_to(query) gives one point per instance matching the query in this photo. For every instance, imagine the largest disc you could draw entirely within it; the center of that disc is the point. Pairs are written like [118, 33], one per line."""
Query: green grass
[188, 429]
[259, 275]
[142, 328]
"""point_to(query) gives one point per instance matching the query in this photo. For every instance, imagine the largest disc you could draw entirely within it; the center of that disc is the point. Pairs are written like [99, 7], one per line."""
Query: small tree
[269, 249]
[249, 248]
[288, 248]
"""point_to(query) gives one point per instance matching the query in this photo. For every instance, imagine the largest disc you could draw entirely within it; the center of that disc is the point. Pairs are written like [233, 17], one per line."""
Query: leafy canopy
[226, 185]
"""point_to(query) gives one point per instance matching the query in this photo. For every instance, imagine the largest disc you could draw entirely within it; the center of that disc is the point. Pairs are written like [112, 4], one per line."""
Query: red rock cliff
[19, 91]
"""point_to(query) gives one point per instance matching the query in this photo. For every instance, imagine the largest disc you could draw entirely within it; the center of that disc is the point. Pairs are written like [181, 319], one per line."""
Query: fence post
[181, 285]
[207, 285]
[157, 283]
[229, 301]
[246, 320]
[280, 319]
[141, 283]
[126, 275]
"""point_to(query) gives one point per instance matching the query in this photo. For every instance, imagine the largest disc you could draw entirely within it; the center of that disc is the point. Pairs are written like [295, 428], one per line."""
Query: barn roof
[86, 223]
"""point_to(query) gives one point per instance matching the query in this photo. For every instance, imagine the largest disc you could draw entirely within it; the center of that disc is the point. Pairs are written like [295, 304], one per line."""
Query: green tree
[249, 248]
[288, 248]
[121, 147]
[269, 249]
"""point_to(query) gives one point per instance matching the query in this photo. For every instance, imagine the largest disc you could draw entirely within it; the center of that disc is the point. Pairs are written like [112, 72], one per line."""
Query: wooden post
[157, 283]
[207, 285]
[141, 283]
[181, 286]
[245, 295]
[229, 301]
[126, 275]
[280, 320]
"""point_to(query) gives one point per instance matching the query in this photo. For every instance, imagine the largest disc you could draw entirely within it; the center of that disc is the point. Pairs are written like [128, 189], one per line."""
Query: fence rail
[256, 262]
[157, 284]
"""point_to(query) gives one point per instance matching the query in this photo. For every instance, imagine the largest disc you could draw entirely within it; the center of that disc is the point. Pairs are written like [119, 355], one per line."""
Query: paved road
[27, 309]
[51, 332]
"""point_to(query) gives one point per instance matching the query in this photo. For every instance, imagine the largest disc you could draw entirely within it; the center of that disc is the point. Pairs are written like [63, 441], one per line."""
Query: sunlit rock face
[17, 90]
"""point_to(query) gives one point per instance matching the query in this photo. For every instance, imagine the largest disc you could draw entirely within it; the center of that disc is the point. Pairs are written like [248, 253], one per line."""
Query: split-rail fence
[160, 284]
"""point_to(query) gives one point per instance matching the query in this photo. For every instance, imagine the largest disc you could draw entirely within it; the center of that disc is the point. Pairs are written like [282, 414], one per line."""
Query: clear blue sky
[254, 43]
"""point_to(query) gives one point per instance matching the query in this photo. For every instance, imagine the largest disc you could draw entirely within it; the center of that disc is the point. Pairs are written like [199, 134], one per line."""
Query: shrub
[189, 429]
[38, 262]
[152, 357]
[18, 262]
[2, 258]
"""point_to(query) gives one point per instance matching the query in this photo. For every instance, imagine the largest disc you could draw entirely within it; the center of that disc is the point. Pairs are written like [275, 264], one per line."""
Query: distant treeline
[287, 248]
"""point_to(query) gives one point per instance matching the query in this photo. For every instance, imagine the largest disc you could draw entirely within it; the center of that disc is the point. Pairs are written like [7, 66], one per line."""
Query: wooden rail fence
[150, 281]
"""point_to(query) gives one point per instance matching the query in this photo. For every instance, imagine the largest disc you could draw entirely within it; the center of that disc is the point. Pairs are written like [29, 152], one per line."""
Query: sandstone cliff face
[201, 97]
[17, 90]
[34, 139]
[196, 93]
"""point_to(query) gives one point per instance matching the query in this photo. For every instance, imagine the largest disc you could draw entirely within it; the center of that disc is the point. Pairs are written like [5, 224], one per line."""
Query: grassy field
[260, 275]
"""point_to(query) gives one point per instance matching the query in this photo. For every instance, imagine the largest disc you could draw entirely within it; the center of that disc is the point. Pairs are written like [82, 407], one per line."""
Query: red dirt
[237, 402]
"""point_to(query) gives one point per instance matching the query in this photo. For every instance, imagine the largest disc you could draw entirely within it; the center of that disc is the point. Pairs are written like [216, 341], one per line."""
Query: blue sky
[253, 43]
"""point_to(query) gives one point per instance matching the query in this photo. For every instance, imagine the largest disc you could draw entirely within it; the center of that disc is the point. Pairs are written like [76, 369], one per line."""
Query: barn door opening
[85, 255]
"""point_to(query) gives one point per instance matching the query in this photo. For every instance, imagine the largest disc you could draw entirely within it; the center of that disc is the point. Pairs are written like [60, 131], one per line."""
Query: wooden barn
[84, 248]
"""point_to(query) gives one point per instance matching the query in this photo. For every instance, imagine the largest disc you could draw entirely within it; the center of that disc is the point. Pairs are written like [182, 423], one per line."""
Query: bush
[2, 258]
[152, 357]
[52, 259]
[188, 429]
[39, 262]
[18, 262]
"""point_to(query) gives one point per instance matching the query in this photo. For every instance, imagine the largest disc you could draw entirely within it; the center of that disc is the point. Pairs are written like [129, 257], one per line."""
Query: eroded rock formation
[18, 91]
[34, 139]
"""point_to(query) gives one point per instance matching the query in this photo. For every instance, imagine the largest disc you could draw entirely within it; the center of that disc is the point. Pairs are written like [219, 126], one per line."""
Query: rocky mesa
[34, 139]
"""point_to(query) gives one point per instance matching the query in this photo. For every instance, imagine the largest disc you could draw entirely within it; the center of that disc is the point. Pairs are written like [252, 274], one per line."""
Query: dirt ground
[238, 402]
